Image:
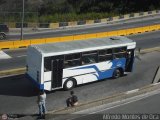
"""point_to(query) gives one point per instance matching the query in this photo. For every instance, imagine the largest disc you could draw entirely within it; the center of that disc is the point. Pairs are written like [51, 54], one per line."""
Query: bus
[68, 64]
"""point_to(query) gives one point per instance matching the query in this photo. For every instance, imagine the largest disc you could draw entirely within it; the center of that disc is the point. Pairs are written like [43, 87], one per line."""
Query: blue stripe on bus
[108, 73]
[39, 86]
[119, 63]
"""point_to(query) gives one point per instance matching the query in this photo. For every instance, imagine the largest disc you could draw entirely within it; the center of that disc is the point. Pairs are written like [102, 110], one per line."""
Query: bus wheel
[69, 84]
[116, 73]
[2, 36]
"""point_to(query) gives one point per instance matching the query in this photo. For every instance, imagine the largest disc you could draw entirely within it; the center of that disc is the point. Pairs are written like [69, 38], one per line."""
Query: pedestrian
[42, 103]
[72, 100]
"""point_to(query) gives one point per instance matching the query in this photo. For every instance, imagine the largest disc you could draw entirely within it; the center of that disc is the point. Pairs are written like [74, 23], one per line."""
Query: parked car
[3, 31]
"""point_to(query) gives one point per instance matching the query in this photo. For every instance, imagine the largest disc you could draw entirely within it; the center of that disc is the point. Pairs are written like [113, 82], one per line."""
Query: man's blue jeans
[42, 108]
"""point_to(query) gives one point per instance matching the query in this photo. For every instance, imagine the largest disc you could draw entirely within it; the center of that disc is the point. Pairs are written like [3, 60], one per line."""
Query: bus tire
[69, 84]
[117, 73]
[2, 36]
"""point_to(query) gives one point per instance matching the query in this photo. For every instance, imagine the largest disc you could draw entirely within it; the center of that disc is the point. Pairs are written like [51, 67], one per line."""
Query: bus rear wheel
[69, 84]
[117, 73]
[2, 36]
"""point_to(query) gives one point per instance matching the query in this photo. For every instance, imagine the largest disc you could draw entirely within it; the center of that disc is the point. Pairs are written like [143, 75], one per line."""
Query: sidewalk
[64, 113]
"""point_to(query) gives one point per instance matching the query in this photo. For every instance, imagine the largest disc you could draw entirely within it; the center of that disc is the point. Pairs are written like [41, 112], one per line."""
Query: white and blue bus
[67, 64]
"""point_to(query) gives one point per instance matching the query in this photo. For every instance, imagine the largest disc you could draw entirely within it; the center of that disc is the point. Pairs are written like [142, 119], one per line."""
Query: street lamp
[22, 21]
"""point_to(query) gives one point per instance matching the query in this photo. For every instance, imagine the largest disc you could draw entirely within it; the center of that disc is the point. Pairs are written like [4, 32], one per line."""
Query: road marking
[75, 33]
[156, 83]
[22, 56]
[156, 22]
[132, 91]
[3, 55]
[119, 103]
[130, 100]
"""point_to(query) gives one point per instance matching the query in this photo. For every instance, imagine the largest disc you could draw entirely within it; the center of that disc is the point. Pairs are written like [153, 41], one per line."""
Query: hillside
[67, 10]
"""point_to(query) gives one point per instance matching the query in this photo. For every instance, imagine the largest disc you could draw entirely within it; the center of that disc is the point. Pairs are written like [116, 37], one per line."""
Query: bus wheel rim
[69, 84]
[117, 73]
[1, 37]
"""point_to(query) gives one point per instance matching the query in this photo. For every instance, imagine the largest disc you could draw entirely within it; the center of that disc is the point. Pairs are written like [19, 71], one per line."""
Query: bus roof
[81, 44]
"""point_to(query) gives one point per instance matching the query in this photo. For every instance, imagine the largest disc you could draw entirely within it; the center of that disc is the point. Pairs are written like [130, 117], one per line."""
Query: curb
[12, 72]
[64, 24]
[150, 50]
[123, 32]
[106, 100]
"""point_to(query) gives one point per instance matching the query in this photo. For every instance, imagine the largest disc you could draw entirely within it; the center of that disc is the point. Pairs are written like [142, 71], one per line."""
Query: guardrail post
[139, 50]
[156, 78]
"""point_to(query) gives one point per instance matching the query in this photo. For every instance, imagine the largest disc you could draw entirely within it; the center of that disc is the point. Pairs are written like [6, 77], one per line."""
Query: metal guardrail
[157, 76]
[25, 43]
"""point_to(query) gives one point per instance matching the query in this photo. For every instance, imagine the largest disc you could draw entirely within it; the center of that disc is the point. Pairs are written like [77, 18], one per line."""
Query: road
[138, 22]
[18, 57]
[142, 107]
[18, 94]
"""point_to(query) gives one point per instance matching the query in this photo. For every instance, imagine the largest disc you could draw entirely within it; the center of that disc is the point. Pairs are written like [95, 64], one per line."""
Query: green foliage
[73, 17]
[73, 10]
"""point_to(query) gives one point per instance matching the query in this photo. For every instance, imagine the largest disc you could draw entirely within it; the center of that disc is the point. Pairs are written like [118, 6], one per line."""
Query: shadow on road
[17, 85]
[21, 116]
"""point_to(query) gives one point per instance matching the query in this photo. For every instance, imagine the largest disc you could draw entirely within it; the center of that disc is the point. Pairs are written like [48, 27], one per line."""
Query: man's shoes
[41, 117]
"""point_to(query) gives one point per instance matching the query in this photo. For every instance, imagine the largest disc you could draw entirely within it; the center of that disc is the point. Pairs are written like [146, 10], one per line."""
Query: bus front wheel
[69, 84]
[2, 36]
[116, 73]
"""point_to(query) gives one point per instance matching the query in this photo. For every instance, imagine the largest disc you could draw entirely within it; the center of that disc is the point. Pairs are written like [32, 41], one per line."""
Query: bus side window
[119, 52]
[88, 59]
[72, 60]
[105, 55]
[85, 60]
[47, 64]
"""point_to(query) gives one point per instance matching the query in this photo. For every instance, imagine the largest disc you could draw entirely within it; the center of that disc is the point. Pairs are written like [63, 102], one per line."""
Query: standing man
[42, 103]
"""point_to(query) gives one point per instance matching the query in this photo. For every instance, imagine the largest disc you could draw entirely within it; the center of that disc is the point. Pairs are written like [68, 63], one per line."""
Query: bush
[73, 17]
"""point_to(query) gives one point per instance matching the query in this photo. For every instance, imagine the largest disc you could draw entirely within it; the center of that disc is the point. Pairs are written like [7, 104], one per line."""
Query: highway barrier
[25, 43]
[12, 72]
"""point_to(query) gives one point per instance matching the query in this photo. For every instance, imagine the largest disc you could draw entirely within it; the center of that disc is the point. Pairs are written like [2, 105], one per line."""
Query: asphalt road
[18, 95]
[145, 108]
[18, 57]
[138, 22]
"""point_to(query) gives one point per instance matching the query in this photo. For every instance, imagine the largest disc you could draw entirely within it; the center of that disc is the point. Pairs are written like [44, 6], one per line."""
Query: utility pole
[22, 21]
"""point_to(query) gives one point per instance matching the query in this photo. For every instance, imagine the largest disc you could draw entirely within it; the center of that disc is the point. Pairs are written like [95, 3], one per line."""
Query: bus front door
[129, 60]
[57, 72]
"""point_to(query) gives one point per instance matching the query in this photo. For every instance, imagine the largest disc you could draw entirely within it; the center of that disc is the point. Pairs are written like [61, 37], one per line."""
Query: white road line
[3, 55]
[132, 91]
[22, 56]
[120, 103]
[136, 98]
[156, 83]
[130, 101]
[75, 33]
[156, 22]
